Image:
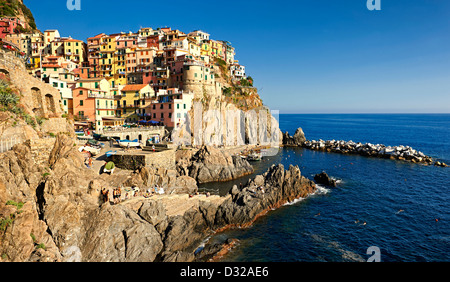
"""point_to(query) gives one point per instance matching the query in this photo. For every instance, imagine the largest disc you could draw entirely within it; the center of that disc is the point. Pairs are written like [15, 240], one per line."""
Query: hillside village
[148, 77]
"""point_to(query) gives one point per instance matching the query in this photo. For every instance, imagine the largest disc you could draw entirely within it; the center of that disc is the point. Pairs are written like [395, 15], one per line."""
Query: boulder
[324, 179]
[211, 164]
[299, 137]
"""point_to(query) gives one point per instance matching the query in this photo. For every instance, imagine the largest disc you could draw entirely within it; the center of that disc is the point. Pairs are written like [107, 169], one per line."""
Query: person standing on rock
[105, 195]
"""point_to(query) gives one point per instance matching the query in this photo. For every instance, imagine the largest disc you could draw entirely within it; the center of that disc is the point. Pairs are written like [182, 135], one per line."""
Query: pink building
[8, 25]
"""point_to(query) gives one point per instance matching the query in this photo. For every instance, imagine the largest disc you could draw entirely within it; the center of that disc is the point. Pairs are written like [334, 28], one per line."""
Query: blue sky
[306, 56]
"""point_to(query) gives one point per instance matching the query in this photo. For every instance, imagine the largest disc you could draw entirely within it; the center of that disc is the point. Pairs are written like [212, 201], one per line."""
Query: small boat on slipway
[128, 143]
[110, 153]
[255, 156]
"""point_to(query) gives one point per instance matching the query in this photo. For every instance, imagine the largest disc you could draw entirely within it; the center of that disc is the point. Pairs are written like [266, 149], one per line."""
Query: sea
[383, 210]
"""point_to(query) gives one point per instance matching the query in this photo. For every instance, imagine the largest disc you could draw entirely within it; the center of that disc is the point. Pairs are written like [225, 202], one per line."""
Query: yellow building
[194, 47]
[130, 100]
[74, 50]
[206, 48]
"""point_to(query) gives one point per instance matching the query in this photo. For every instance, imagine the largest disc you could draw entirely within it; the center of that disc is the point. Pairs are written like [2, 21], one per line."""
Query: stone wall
[38, 98]
[136, 133]
[164, 159]
[41, 149]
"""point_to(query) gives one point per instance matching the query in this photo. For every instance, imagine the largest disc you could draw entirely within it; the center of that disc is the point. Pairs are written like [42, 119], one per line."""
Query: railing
[134, 129]
[107, 107]
[101, 96]
[7, 144]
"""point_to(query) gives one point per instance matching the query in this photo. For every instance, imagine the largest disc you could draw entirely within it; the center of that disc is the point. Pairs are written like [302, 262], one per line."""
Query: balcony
[114, 107]
[100, 96]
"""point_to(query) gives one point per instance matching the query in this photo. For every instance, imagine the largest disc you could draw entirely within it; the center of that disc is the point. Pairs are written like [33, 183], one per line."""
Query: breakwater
[401, 152]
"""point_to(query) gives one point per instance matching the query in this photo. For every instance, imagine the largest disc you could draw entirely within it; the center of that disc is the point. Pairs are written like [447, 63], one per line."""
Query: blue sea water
[402, 208]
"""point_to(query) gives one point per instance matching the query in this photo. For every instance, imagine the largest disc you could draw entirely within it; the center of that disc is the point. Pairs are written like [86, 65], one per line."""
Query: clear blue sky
[306, 56]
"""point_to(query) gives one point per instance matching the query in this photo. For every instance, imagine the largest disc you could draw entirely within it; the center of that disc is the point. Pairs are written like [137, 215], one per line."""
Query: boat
[94, 151]
[84, 137]
[110, 153]
[254, 157]
[128, 143]
[100, 137]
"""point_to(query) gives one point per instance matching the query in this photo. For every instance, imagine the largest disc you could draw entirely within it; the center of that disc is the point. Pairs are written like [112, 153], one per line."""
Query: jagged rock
[280, 186]
[297, 140]
[210, 164]
[324, 179]
[299, 137]
[118, 234]
[153, 212]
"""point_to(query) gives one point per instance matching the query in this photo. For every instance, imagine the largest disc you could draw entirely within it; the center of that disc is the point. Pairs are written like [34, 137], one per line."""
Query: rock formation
[269, 191]
[54, 212]
[210, 164]
[323, 178]
[403, 153]
[297, 140]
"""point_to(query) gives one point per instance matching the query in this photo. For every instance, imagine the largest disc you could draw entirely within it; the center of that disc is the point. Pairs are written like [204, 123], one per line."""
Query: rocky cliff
[54, 211]
[210, 164]
[16, 8]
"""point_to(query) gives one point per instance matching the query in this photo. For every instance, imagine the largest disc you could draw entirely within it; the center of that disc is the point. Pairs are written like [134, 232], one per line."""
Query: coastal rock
[299, 137]
[403, 153]
[280, 187]
[210, 164]
[324, 179]
[118, 234]
[297, 140]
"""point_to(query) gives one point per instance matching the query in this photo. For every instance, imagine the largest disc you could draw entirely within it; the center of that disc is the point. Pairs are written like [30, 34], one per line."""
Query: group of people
[117, 195]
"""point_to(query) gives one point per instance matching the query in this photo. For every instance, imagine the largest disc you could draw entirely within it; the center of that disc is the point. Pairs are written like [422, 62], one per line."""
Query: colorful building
[9, 25]
[129, 102]
[171, 107]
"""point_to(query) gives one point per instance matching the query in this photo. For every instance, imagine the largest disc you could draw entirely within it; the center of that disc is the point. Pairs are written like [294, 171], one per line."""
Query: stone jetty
[401, 152]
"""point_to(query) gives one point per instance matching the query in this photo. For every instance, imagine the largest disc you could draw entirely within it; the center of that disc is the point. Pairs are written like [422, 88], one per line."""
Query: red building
[153, 41]
[8, 26]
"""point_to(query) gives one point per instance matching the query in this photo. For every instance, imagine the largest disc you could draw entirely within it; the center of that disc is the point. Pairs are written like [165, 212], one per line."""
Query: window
[81, 102]
[178, 106]
[162, 115]
[184, 106]
[154, 115]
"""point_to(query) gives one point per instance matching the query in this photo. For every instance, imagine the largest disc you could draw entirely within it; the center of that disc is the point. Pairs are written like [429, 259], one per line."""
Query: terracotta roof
[72, 40]
[133, 87]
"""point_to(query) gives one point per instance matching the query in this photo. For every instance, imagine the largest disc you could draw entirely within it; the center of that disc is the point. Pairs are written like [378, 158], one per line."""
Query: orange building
[83, 105]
